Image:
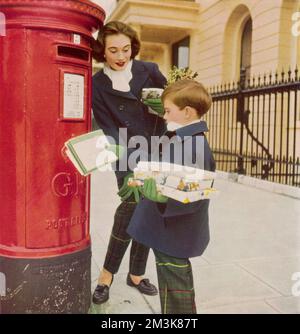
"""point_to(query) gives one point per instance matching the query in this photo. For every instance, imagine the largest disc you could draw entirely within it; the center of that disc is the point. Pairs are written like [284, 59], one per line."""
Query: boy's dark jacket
[177, 229]
[114, 109]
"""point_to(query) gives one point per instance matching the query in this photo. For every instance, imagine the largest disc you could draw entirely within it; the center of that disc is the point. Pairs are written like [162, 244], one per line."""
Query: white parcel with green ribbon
[182, 183]
[92, 151]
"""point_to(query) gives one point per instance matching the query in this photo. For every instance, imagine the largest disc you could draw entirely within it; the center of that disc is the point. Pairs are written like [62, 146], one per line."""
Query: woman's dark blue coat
[114, 109]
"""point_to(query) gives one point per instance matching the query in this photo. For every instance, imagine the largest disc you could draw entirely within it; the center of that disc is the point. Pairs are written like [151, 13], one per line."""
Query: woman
[117, 104]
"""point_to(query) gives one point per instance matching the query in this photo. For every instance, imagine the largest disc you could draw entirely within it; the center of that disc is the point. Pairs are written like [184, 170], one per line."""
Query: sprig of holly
[176, 74]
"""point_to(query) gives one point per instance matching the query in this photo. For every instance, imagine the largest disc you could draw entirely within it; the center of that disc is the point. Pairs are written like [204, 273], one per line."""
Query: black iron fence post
[241, 119]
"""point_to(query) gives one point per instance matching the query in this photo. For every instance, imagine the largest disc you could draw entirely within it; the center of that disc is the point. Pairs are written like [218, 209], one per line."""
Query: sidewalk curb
[273, 187]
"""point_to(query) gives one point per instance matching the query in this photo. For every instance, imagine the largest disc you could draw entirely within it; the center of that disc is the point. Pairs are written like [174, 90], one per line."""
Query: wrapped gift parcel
[182, 183]
[92, 151]
[152, 98]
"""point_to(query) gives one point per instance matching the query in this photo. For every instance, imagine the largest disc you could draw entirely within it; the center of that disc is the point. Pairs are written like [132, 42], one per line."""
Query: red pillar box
[45, 99]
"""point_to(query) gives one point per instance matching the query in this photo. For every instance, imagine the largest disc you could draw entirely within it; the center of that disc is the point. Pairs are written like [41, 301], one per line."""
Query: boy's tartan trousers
[176, 286]
[119, 241]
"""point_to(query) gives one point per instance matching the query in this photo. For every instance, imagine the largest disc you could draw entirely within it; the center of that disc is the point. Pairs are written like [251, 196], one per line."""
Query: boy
[177, 231]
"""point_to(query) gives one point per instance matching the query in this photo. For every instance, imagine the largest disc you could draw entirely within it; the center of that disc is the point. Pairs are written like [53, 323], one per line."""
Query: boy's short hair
[188, 92]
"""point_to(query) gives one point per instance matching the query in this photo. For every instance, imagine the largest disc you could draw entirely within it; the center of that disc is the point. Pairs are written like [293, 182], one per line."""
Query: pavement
[249, 267]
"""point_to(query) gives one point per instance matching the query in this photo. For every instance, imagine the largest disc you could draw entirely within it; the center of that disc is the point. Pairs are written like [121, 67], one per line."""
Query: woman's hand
[155, 105]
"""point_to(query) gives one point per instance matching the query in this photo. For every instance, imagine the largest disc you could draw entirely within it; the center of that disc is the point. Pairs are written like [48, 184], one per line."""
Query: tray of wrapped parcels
[182, 183]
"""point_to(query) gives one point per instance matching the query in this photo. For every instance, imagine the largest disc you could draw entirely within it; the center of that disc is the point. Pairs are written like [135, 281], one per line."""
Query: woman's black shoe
[101, 293]
[144, 286]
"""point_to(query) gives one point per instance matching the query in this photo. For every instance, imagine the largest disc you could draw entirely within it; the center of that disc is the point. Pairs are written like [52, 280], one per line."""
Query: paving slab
[277, 272]
[285, 305]
[259, 307]
[221, 285]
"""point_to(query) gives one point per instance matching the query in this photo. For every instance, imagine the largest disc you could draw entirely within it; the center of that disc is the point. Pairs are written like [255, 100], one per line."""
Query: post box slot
[66, 51]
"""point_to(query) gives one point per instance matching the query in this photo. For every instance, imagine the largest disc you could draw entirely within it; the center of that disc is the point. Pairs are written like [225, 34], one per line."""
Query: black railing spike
[249, 82]
[265, 78]
[253, 82]
[270, 78]
[290, 74]
[296, 73]
[282, 75]
[276, 77]
[259, 80]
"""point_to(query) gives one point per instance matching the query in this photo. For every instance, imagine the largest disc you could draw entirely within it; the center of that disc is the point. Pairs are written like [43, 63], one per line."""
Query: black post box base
[55, 285]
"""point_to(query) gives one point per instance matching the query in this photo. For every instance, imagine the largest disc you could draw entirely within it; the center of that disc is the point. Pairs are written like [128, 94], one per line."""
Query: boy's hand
[126, 191]
[149, 190]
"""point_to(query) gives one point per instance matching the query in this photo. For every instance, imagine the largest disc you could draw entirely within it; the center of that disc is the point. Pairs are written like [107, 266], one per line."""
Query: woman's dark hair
[114, 28]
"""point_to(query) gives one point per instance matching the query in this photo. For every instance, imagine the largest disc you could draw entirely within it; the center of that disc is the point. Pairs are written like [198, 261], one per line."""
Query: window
[246, 47]
[181, 53]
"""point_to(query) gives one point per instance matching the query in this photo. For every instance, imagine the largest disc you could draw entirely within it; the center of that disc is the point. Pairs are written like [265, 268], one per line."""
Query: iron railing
[255, 126]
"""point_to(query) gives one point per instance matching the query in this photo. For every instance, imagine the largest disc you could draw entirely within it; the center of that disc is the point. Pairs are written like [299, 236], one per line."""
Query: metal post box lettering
[45, 99]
